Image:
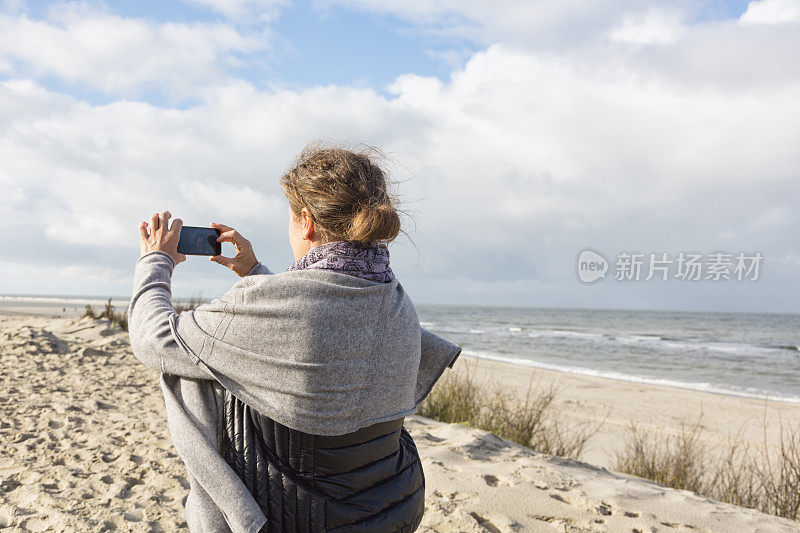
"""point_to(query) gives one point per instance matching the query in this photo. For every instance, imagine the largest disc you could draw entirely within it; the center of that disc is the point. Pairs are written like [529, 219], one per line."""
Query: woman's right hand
[244, 260]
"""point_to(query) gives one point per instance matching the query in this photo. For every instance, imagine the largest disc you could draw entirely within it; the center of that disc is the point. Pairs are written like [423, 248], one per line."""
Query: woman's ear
[308, 224]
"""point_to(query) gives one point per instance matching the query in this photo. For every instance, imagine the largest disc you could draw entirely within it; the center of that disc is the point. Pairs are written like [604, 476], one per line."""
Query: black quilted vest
[368, 480]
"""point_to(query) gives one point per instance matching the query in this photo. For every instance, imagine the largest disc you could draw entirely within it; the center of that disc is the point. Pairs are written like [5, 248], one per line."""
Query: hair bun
[375, 223]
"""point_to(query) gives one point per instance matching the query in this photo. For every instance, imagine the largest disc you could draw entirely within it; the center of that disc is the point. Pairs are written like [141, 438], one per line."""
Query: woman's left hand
[161, 237]
[245, 259]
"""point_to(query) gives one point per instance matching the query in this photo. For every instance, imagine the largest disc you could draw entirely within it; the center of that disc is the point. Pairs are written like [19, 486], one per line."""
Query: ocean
[745, 354]
[58, 306]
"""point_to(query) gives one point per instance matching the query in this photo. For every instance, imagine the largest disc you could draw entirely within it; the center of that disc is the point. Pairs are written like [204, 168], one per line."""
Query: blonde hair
[345, 192]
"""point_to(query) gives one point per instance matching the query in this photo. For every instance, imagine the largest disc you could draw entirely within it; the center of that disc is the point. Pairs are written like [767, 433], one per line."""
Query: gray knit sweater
[318, 351]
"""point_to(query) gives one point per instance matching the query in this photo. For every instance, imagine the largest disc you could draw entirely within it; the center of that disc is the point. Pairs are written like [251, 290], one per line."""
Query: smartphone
[199, 241]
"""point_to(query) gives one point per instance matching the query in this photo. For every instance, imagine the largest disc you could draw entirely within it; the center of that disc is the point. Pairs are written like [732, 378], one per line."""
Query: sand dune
[84, 446]
[479, 482]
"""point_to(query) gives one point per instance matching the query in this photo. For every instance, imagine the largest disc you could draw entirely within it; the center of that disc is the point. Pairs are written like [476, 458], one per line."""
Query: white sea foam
[567, 334]
[634, 339]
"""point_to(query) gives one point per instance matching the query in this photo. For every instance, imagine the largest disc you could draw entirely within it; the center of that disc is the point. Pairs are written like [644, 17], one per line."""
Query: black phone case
[189, 245]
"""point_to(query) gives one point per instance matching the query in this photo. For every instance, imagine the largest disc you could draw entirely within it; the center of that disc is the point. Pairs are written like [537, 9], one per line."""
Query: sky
[517, 134]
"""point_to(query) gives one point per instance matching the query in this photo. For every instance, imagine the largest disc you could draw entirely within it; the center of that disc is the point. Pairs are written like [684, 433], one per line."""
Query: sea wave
[652, 341]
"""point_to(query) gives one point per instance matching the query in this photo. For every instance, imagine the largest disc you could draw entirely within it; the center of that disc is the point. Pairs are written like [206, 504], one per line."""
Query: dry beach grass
[740, 474]
[532, 420]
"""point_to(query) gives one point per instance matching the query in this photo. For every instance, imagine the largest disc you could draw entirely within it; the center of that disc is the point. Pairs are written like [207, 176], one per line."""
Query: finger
[177, 224]
[163, 220]
[231, 236]
[181, 258]
[143, 230]
[154, 222]
[222, 260]
[221, 227]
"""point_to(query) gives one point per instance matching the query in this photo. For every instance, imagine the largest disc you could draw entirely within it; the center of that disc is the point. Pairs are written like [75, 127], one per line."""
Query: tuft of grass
[678, 462]
[119, 319]
[89, 312]
[454, 400]
[742, 475]
[780, 477]
[532, 421]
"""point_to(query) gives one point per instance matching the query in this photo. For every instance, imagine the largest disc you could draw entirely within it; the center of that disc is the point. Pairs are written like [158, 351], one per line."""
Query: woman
[285, 397]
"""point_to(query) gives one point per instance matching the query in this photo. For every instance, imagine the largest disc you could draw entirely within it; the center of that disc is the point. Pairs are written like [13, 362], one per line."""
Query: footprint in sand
[428, 463]
[604, 509]
[109, 458]
[9, 485]
[51, 487]
[495, 481]
[432, 438]
[485, 523]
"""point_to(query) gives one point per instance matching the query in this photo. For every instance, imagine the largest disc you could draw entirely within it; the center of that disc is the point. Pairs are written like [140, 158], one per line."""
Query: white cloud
[518, 151]
[771, 12]
[230, 202]
[117, 55]
[653, 27]
[687, 145]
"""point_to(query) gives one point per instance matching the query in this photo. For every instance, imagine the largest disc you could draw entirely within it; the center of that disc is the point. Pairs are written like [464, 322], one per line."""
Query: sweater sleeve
[258, 270]
[153, 322]
[437, 355]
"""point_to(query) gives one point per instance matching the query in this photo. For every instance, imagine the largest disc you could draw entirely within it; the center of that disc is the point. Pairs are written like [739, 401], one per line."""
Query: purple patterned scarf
[349, 257]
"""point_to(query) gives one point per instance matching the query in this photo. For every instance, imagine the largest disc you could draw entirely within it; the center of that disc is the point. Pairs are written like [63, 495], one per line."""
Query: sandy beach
[84, 446]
